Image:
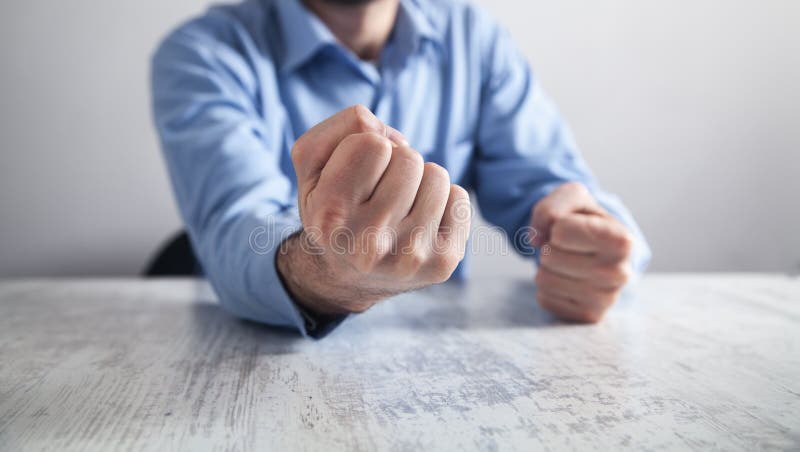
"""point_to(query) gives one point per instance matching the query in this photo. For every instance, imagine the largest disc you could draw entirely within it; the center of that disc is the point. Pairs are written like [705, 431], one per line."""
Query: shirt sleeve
[524, 148]
[235, 201]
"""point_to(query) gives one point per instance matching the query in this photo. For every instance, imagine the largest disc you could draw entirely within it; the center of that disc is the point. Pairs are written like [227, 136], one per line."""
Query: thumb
[313, 149]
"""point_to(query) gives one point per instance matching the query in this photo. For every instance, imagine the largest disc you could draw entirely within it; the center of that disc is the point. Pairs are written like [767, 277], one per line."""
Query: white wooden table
[696, 362]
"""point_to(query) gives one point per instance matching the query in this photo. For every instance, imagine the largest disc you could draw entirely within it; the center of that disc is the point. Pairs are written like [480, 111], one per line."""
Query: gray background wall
[689, 109]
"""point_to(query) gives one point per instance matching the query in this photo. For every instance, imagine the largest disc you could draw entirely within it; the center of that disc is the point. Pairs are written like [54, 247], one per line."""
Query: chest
[431, 101]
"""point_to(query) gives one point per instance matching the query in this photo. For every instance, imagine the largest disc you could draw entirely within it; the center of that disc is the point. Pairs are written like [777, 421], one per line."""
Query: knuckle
[459, 192]
[367, 140]
[575, 188]
[437, 172]
[626, 272]
[409, 158]
[384, 150]
[459, 213]
[448, 261]
[620, 274]
[298, 153]
[380, 145]
[460, 252]
[443, 266]
[540, 209]
[624, 243]
[361, 118]
[544, 213]
[366, 146]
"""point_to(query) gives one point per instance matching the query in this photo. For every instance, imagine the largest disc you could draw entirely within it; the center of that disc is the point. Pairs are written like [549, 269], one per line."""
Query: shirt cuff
[246, 279]
[309, 324]
[318, 326]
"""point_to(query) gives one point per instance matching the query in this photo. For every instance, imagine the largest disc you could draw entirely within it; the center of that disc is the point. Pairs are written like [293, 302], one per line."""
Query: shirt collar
[304, 34]
[414, 26]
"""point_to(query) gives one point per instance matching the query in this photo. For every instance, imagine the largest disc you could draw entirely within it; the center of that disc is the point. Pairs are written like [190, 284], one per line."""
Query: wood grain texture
[686, 363]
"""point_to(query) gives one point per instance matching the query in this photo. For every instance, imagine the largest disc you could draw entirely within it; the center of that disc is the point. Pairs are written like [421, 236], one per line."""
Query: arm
[236, 203]
[377, 220]
[358, 180]
[526, 153]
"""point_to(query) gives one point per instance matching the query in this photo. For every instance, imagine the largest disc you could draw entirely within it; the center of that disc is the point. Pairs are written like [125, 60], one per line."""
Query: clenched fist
[377, 220]
[585, 254]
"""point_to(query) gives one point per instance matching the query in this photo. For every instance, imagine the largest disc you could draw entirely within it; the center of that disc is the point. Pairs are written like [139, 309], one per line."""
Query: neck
[362, 27]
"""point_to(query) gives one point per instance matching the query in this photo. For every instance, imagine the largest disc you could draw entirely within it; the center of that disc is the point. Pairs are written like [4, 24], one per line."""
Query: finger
[567, 309]
[396, 137]
[567, 198]
[314, 148]
[421, 226]
[436, 234]
[451, 241]
[431, 198]
[600, 234]
[577, 290]
[394, 195]
[586, 267]
[355, 168]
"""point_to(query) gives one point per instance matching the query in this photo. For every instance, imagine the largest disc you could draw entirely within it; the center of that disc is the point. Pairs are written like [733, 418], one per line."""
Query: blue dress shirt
[234, 88]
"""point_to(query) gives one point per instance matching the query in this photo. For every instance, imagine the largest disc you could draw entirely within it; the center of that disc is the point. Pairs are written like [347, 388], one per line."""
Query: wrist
[306, 277]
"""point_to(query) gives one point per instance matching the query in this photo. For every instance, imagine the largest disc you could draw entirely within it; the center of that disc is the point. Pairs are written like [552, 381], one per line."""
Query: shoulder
[224, 32]
[471, 34]
[468, 30]
[457, 15]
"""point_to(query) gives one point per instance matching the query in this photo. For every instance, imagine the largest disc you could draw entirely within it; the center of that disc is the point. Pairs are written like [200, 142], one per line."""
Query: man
[319, 116]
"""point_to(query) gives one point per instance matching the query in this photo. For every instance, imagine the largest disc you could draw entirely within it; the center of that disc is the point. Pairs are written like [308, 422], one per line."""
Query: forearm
[313, 284]
[238, 258]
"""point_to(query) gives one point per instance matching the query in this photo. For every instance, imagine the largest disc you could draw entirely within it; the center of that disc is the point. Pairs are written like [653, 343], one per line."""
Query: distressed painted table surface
[695, 362]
